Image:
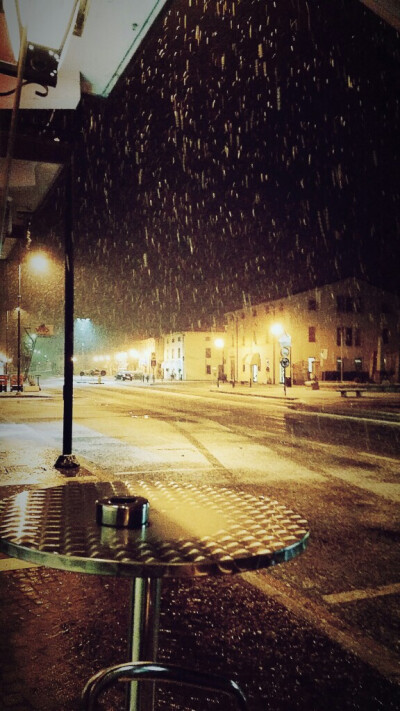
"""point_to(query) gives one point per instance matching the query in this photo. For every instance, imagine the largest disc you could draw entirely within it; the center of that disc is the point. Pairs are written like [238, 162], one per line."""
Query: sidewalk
[59, 628]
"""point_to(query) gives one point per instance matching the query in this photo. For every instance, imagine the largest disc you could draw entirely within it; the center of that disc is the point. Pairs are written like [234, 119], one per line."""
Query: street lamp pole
[341, 353]
[273, 360]
[220, 344]
[67, 460]
[19, 387]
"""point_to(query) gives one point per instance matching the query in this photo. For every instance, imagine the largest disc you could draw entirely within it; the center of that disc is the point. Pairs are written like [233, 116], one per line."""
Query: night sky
[250, 150]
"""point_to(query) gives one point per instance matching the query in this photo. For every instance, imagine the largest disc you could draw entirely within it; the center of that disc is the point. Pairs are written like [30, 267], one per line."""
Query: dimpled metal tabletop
[193, 530]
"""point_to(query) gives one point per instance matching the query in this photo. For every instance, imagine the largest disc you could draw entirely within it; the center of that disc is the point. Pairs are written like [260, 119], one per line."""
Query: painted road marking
[351, 595]
[7, 564]
[380, 658]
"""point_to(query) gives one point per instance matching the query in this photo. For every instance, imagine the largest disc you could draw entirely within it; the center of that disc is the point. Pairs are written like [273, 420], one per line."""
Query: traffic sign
[285, 362]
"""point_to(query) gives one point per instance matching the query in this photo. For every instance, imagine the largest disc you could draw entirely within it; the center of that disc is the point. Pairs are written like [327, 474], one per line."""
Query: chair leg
[151, 671]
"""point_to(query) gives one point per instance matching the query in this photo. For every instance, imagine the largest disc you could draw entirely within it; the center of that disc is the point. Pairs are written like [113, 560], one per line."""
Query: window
[357, 363]
[254, 312]
[208, 352]
[338, 364]
[349, 337]
[385, 336]
[311, 334]
[179, 352]
[254, 338]
[208, 338]
[348, 304]
[339, 336]
[208, 369]
[312, 304]
[357, 336]
[340, 304]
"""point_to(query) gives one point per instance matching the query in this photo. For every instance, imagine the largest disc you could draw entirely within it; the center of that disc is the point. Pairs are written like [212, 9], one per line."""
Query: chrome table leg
[143, 639]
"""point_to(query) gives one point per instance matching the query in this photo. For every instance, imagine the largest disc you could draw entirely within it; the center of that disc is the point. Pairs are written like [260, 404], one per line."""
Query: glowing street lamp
[38, 262]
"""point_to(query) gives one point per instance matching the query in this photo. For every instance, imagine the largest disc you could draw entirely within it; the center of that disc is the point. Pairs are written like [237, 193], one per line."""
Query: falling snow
[248, 151]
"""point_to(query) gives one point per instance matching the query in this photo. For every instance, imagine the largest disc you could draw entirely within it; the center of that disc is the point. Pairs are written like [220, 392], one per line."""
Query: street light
[39, 264]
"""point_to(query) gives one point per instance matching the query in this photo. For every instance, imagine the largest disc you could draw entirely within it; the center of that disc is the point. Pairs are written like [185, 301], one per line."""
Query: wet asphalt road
[281, 634]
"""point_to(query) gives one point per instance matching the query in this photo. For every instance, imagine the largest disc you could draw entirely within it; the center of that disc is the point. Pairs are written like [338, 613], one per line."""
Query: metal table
[193, 530]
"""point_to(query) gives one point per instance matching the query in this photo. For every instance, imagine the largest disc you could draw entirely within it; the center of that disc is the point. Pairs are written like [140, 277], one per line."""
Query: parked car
[94, 371]
[124, 375]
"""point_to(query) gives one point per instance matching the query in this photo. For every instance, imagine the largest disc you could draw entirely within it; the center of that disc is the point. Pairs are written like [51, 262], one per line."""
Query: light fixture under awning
[48, 27]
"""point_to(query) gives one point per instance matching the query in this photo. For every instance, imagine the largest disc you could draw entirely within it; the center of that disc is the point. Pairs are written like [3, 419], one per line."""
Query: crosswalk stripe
[351, 595]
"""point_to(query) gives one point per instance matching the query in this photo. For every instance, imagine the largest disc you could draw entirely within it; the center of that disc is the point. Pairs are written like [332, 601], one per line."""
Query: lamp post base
[66, 461]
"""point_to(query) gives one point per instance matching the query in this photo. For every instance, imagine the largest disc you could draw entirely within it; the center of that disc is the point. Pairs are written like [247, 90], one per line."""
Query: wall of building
[348, 320]
[193, 355]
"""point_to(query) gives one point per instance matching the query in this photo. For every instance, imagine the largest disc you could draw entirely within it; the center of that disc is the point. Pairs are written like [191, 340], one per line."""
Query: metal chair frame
[152, 671]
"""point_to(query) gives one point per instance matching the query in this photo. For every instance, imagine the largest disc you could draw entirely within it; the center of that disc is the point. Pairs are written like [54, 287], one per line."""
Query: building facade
[341, 331]
[194, 355]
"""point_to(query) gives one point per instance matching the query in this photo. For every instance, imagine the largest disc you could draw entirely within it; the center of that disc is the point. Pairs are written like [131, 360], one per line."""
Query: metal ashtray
[122, 511]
